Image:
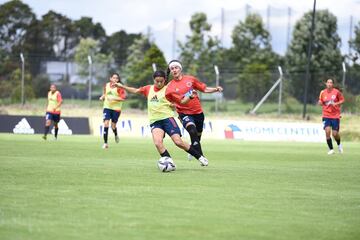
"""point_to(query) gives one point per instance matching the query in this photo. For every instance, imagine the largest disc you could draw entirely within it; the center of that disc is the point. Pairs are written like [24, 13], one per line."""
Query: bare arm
[213, 89]
[127, 88]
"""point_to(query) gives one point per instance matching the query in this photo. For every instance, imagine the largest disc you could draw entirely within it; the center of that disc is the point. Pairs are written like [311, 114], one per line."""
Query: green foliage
[252, 53]
[118, 43]
[251, 43]
[355, 44]
[138, 68]
[15, 18]
[58, 32]
[352, 103]
[101, 62]
[326, 56]
[41, 85]
[254, 82]
[200, 51]
[12, 88]
[85, 28]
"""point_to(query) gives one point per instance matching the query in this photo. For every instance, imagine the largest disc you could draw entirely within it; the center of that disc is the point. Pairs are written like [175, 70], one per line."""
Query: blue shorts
[196, 119]
[334, 123]
[111, 114]
[53, 117]
[169, 126]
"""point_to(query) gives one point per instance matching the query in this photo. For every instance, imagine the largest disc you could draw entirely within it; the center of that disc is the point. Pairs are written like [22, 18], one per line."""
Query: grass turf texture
[73, 189]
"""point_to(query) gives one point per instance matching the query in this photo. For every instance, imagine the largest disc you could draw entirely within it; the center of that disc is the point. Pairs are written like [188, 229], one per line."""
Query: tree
[58, 31]
[12, 89]
[138, 68]
[102, 62]
[355, 43]
[85, 28]
[251, 43]
[15, 18]
[254, 82]
[136, 56]
[118, 44]
[200, 51]
[326, 56]
[253, 55]
[353, 74]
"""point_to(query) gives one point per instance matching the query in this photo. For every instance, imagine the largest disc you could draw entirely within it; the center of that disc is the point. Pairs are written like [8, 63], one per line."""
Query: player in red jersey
[190, 114]
[331, 99]
[53, 111]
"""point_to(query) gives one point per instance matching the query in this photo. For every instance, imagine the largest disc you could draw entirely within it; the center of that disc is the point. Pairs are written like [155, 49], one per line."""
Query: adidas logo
[23, 127]
[63, 128]
[154, 99]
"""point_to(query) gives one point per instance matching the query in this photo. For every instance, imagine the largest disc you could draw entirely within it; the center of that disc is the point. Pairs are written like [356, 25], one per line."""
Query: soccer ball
[166, 164]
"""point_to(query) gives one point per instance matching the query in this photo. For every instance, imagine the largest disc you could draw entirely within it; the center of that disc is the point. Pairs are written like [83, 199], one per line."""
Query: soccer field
[73, 189]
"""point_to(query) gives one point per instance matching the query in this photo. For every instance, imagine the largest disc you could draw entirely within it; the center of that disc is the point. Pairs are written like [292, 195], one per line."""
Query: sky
[161, 17]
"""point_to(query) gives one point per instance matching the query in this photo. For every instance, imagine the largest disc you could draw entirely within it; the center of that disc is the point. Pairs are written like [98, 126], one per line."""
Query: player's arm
[341, 100]
[129, 89]
[59, 101]
[102, 97]
[213, 89]
[205, 89]
[187, 97]
[320, 102]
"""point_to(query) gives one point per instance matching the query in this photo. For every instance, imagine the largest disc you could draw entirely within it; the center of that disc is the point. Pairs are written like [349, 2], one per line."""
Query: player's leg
[106, 119]
[48, 119]
[114, 120]
[172, 129]
[189, 124]
[336, 134]
[56, 120]
[327, 128]
[199, 123]
[158, 136]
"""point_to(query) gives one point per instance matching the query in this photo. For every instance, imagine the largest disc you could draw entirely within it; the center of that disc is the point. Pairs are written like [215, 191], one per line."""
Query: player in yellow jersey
[161, 115]
[53, 110]
[113, 98]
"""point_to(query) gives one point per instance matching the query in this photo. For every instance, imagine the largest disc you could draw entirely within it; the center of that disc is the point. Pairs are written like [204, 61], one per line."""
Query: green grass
[72, 189]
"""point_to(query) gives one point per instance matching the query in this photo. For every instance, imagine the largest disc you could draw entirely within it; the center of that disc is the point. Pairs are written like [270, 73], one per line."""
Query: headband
[175, 64]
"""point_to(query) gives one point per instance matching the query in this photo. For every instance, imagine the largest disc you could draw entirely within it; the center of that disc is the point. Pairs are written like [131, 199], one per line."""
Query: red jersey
[327, 98]
[177, 89]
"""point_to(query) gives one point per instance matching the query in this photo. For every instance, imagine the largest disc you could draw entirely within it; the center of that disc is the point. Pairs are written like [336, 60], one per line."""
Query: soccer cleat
[203, 161]
[341, 150]
[190, 157]
[117, 139]
[331, 152]
[44, 137]
[105, 146]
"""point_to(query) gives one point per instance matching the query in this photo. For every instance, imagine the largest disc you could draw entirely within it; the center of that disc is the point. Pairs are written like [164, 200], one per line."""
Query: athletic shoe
[44, 137]
[105, 146]
[203, 161]
[341, 150]
[331, 152]
[190, 157]
[117, 139]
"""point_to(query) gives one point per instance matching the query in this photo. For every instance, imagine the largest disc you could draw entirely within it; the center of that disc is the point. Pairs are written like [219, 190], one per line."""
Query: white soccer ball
[166, 164]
